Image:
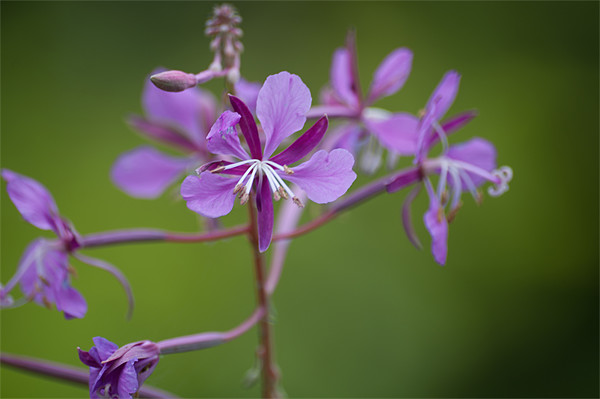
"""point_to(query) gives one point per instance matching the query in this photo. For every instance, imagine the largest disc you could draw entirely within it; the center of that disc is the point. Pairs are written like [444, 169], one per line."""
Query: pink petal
[209, 194]
[248, 92]
[264, 205]
[71, 302]
[341, 77]
[326, 176]
[437, 225]
[282, 104]
[444, 94]
[398, 133]
[391, 74]
[145, 172]
[223, 137]
[33, 201]
[478, 152]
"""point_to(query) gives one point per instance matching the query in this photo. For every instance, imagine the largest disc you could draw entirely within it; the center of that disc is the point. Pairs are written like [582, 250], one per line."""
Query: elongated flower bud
[174, 80]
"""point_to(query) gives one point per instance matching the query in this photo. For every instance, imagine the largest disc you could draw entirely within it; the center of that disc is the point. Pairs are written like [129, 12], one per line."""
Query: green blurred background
[360, 312]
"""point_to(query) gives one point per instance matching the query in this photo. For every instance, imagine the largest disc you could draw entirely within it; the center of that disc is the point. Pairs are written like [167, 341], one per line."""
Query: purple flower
[281, 107]
[179, 120]
[462, 167]
[366, 124]
[119, 372]
[44, 273]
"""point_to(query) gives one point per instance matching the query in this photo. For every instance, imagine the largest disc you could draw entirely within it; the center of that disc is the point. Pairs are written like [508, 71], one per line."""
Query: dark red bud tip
[174, 80]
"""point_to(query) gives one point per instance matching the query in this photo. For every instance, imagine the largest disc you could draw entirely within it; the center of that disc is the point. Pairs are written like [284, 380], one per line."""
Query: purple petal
[163, 133]
[477, 152]
[391, 74]
[32, 199]
[186, 110]
[87, 359]
[437, 225]
[452, 125]
[71, 302]
[282, 104]
[398, 133]
[327, 97]
[326, 176]
[248, 92]
[444, 94]
[407, 217]
[342, 79]
[247, 126]
[403, 179]
[145, 172]
[104, 347]
[128, 383]
[209, 194]
[264, 205]
[304, 144]
[346, 136]
[223, 139]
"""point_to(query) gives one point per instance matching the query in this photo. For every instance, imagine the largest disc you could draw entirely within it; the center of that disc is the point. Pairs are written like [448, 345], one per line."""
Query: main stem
[269, 371]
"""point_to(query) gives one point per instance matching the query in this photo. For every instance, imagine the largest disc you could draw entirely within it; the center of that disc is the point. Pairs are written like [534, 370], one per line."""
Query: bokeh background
[360, 312]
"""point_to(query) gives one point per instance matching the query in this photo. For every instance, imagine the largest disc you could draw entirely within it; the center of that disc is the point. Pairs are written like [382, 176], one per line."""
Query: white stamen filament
[442, 135]
[264, 168]
[456, 187]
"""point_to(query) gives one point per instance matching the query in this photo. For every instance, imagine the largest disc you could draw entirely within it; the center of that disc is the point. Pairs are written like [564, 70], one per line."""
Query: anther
[440, 214]
[297, 201]
[282, 193]
[276, 196]
[238, 188]
[46, 302]
[452, 214]
[218, 169]
[244, 199]
[44, 280]
[72, 271]
[287, 170]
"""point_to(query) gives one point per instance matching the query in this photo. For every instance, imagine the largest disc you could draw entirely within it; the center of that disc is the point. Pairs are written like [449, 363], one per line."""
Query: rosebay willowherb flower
[281, 107]
[44, 273]
[119, 372]
[463, 167]
[365, 125]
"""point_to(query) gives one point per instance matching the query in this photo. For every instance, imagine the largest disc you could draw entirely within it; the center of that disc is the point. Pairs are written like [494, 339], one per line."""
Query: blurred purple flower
[119, 372]
[366, 124]
[44, 271]
[179, 120]
[462, 167]
[281, 107]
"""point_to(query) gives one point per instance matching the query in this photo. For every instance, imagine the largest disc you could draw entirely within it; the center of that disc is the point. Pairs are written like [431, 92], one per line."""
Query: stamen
[235, 165]
[470, 185]
[442, 135]
[297, 201]
[273, 164]
[283, 193]
[287, 170]
[218, 169]
[442, 182]
[452, 214]
[456, 187]
[244, 198]
[276, 196]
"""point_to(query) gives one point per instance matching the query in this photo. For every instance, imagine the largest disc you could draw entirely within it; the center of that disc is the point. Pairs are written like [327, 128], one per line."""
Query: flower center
[264, 169]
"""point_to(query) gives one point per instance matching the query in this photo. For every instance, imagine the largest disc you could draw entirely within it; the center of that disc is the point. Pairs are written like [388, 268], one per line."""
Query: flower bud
[174, 81]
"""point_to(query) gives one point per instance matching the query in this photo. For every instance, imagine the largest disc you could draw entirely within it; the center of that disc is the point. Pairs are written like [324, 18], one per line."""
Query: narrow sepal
[304, 144]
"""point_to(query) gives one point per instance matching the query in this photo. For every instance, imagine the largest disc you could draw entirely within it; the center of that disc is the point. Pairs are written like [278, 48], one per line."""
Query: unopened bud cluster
[223, 27]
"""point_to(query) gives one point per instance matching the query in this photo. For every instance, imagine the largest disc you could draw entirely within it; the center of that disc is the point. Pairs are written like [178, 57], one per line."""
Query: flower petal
[209, 194]
[478, 152]
[187, 110]
[304, 144]
[437, 225]
[71, 302]
[145, 172]
[403, 179]
[162, 133]
[33, 201]
[104, 347]
[282, 104]
[223, 139]
[391, 74]
[326, 176]
[248, 92]
[342, 79]
[247, 126]
[128, 383]
[444, 94]
[398, 133]
[264, 206]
